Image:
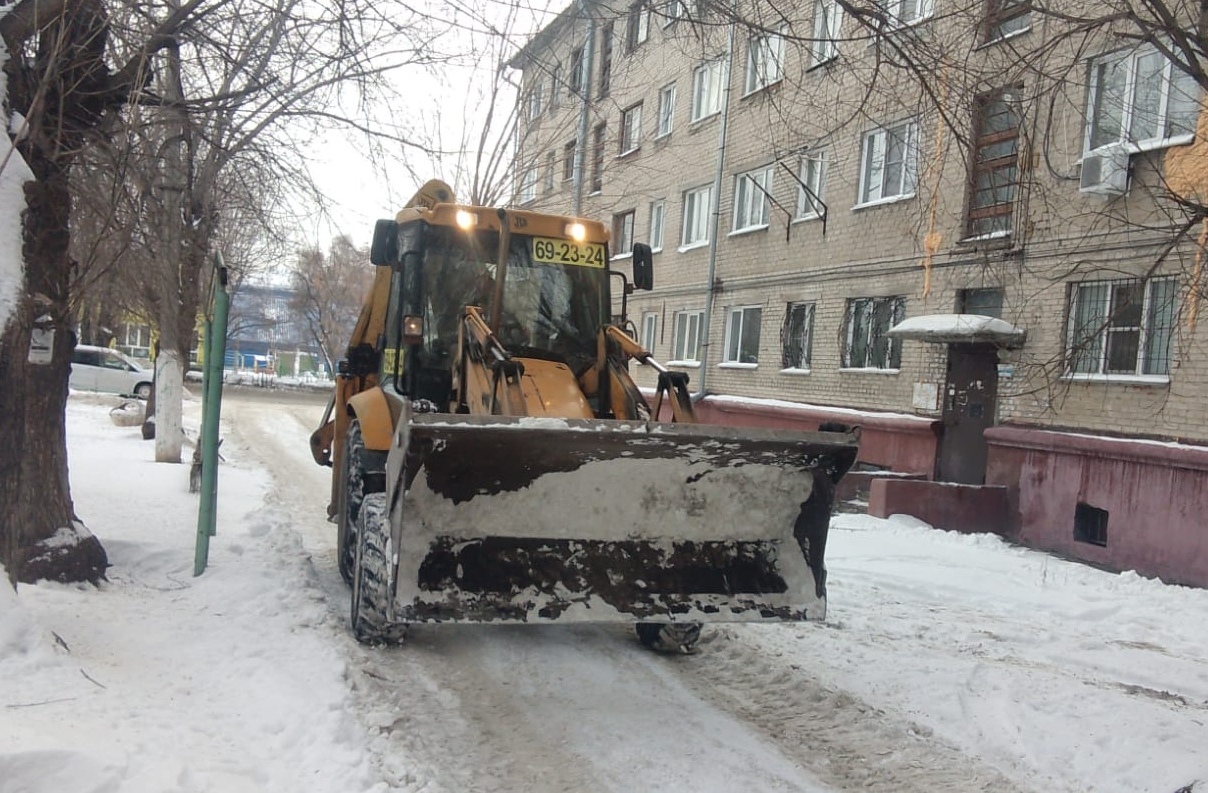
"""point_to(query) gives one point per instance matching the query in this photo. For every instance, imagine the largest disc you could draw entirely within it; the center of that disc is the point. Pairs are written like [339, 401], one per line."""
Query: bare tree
[330, 289]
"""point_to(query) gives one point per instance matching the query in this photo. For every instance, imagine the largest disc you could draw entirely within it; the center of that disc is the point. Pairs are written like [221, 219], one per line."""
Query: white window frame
[631, 129]
[893, 347]
[658, 223]
[707, 86]
[673, 10]
[536, 96]
[752, 207]
[743, 326]
[805, 343]
[526, 193]
[638, 30]
[650, 330]
[905, 13]
[688, 327]
[623, 226]
[811, 173]
[1171, 77]
[828, 20]
[698, 207]
[876, 186]
[666, 118]
[765, 60]
[1101, 340]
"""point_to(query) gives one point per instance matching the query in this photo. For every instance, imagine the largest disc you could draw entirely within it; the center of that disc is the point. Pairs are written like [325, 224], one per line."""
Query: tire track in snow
[847, 743]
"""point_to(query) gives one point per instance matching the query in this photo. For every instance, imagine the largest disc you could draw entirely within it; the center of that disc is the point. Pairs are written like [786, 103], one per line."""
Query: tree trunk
[169, 391]
[35, 499]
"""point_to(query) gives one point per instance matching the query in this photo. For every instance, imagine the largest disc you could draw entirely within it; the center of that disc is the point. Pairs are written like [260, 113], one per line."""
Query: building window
[1140, 98]
[576, 70]
[597, 159]
[706, 89]
[697, 205]
[535, 96]
[1090, 524]
[551, 165]
[994, 162]
[867, 323]
[985, 302]
[828, 18]
[605, 60]
[797, 336]
[622, 233]
[811, 175]
[685, 344]
[631, 128]
[908, 12]
[888, 163]
[751, 205]
[742, 335]
[1121, 327]
[666, 110]
[673, 10]
[528, 186]
[650, 330]
[657, 214]
[568, 161]
[555, 86]
[639, 25]
[765, 60]
[1006, 17]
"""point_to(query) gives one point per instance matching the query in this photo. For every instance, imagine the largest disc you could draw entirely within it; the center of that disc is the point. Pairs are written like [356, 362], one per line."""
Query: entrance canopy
[960, 329]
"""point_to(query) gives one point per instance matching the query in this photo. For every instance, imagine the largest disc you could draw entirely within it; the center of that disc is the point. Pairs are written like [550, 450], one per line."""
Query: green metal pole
[211, 412]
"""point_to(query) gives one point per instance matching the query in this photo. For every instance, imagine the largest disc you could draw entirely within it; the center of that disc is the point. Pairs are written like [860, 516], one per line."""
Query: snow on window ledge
[867, 370]
[795, 372]
[692, 246]
[737, 365]
[684, 364]
[748, 230]
[1122, 379]
[883, 201]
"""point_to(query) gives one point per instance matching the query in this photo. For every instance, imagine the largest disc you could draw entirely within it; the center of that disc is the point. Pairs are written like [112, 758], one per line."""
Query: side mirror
[643, 267]
[384, 249]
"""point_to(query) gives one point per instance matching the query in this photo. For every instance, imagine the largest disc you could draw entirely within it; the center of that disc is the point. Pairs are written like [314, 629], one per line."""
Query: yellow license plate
[549, 250]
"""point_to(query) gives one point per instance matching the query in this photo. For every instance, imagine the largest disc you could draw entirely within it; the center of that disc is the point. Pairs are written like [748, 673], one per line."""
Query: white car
[102, 369]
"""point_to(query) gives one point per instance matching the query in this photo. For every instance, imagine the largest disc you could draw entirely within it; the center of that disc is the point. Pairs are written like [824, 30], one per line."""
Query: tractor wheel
[677, 637]
[372, 578]
[362, 471]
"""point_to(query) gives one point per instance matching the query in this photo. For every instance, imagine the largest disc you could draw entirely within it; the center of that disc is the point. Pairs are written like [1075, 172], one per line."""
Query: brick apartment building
[955, 221]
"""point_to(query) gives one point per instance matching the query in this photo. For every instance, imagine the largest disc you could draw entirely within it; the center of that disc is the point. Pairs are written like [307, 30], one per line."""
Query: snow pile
[231, 681]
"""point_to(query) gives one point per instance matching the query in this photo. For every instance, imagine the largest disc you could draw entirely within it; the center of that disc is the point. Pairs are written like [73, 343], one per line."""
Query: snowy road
[925, 678]
[948, 662]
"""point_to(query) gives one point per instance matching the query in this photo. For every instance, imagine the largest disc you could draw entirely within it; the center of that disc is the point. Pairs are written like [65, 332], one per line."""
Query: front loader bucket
[527, 520]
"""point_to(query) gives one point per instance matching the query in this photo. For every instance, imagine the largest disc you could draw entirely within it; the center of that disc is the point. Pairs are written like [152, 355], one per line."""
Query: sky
[947, 662]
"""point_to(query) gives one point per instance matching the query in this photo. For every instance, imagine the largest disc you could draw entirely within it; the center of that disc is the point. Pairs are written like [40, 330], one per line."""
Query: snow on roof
[958, 328]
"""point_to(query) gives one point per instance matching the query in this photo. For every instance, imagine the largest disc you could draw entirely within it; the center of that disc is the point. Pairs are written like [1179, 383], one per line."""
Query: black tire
[373, 579]
[679, 638]
[143, 390]
[362, 471]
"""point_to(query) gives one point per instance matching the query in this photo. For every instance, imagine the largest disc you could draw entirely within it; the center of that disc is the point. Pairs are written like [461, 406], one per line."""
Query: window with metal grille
[796, 336]
[1090, 524]
[1121, 327]
[867, 343]
[994, 165]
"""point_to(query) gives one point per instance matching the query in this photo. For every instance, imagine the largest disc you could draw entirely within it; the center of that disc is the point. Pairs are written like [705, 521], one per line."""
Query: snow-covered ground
[948, 662]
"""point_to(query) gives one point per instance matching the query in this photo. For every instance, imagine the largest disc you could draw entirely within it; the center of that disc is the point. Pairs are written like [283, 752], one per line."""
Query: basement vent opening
[1090, 524]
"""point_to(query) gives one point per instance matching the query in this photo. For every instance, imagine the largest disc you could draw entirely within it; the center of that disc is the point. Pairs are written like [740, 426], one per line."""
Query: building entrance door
[970, 404]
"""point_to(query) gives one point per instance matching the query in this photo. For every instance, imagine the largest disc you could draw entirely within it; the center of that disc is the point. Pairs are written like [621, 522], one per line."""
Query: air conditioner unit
[1105, 172]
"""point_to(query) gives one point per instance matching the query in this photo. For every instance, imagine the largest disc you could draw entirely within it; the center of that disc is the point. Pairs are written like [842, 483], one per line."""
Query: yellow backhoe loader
[493, 460]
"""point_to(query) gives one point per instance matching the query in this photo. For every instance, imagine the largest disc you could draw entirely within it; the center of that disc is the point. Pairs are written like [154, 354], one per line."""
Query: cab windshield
[551, 309]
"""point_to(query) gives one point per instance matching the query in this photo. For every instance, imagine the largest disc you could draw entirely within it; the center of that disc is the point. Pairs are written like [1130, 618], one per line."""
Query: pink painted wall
[967, 508]
[900, 443]
[1156, 496]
